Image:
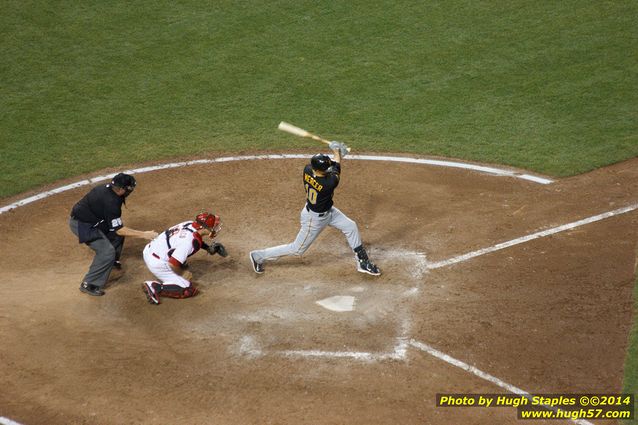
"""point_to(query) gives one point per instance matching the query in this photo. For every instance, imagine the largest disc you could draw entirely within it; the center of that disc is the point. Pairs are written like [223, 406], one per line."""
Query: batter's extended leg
[311, 227]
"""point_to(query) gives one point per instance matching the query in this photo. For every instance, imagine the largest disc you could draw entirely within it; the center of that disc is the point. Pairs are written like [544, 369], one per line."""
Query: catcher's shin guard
[176, 291]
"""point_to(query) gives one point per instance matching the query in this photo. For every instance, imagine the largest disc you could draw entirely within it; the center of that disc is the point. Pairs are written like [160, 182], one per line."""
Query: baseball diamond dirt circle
[312, 341]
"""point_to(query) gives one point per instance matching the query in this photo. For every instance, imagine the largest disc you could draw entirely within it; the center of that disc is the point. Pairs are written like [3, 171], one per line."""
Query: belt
[318, 214]
[92, 225]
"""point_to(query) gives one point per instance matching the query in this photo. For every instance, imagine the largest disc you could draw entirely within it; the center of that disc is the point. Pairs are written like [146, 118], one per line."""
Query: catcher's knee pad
[176, 291]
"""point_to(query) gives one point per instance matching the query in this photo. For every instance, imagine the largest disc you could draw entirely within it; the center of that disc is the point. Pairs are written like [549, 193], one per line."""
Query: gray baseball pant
[312, 224]
[105, 255]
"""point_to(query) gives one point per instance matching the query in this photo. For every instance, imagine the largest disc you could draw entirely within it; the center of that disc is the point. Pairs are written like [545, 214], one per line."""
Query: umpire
[97, 222]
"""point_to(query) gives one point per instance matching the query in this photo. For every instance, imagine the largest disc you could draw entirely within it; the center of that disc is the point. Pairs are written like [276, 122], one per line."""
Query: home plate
[338, 303]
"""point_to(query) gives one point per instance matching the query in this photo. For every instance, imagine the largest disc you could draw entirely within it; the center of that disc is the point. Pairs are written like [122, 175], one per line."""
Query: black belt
[80, 221]
[319, 214]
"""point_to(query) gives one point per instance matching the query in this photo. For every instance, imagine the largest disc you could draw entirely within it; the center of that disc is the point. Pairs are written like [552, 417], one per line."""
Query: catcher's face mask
[210, 222]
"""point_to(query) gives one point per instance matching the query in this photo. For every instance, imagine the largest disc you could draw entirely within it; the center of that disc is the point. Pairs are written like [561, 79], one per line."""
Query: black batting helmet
[320, 162]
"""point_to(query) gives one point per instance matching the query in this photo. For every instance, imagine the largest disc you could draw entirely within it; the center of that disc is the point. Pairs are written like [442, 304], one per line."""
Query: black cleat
[117, 265]
[150, 292]
[87, 288]
[258, 268]
[365, 266]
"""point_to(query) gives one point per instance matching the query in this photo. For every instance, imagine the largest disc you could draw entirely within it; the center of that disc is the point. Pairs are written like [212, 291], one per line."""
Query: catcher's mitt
[217, 248]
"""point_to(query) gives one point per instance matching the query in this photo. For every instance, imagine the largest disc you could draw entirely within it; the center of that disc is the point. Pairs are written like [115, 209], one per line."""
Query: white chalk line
[398, 353]
[250, 348]
[479, 373]
[537, 235]
[7, 421]
[453, 164]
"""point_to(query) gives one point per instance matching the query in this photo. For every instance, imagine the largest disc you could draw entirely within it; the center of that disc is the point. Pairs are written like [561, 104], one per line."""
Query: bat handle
[319, 139]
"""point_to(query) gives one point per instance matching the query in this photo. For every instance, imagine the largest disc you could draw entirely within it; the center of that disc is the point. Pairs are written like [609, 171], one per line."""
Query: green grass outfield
[550, 86]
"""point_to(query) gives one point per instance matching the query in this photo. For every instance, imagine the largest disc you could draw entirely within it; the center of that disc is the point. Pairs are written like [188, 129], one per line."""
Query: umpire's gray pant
[105, 255]
[312, 224]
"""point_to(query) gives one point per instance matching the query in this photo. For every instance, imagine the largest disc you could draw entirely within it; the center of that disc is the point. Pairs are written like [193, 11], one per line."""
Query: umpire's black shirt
[102, 208]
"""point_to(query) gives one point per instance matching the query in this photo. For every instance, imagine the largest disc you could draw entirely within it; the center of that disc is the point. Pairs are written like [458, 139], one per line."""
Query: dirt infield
[550, 315]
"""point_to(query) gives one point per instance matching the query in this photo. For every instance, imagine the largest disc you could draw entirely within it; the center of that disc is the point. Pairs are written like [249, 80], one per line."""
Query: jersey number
[311, 193]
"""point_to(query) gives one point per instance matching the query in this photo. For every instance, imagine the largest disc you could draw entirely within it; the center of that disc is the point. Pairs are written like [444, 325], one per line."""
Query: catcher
[167, 254]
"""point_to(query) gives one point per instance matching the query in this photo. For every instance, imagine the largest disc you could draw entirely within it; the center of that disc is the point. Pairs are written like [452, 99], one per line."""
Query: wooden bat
[289, 128]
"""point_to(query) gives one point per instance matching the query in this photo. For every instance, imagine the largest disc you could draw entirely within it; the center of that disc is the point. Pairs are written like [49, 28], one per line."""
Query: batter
[320, 178]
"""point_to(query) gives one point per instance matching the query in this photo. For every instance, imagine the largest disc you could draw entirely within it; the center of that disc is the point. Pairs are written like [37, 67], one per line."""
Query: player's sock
[362, 255]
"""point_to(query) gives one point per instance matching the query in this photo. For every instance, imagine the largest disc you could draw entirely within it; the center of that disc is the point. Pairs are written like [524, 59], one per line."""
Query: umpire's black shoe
[365, 266]
[87, 288]
[258, 268]
[117, 265]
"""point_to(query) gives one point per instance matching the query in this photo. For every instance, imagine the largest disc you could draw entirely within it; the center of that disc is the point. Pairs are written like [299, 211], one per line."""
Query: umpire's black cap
[124, 181]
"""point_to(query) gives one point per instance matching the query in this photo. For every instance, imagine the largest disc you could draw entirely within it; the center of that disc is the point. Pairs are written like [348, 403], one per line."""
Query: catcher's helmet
[124, 181]
[206, 220]
[320, 162]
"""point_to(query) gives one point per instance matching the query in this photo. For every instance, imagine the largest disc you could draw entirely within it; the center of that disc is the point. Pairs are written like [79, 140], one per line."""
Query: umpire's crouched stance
[97, 222]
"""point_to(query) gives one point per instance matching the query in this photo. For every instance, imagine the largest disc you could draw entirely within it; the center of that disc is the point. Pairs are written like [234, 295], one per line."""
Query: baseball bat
[289, 128]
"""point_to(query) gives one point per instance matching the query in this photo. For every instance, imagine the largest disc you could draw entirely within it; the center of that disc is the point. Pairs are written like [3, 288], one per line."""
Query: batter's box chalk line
[249, 347]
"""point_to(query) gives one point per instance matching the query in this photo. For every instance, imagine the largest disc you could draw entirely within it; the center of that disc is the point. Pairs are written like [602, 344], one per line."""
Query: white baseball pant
[162, 270]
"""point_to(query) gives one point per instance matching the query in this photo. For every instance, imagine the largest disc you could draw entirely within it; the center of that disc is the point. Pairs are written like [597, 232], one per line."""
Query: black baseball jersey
[319, 190]
[101, 207]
